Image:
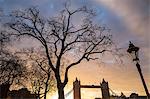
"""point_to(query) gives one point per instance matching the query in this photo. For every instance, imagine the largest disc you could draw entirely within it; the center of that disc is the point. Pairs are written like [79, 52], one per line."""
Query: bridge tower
[105, 90]
[76, 88]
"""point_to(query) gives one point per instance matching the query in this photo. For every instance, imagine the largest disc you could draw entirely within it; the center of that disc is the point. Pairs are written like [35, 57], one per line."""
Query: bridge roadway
[90, 86]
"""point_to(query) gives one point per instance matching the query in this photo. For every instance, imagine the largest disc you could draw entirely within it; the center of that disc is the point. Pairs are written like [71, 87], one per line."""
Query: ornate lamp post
[133, 50]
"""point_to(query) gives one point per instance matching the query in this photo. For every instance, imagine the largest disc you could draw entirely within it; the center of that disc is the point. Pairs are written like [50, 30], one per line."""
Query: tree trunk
[45, 93]
[4, 88]
[46, 86]
[60, 86]
[61, 92]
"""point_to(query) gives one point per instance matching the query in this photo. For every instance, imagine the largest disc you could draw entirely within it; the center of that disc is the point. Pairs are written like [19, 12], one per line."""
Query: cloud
[129, 18]
[134, 18]
[134, 13]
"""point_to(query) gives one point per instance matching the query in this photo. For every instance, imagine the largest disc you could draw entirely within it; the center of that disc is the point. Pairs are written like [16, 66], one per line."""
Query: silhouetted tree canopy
[40, 74]
[11, 66]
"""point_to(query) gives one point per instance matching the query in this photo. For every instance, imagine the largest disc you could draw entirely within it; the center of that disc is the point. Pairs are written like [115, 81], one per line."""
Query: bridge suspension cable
[69, 92]
[113, 93]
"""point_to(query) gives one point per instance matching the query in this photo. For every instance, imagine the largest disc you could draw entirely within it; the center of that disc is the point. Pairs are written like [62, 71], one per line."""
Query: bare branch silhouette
[61, 36]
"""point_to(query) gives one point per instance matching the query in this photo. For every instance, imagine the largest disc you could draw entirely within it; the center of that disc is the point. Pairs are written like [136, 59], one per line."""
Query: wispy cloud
[134, 13]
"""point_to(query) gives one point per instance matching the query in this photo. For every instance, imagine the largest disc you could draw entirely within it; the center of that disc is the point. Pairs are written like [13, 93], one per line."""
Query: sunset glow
[127, 20]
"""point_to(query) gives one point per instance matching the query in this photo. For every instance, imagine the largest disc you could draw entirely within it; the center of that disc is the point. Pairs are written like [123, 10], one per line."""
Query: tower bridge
[105, 90]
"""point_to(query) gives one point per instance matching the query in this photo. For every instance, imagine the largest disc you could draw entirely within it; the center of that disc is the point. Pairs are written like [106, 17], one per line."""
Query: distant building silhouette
[136, 96]
[20, 94]
[132, 96]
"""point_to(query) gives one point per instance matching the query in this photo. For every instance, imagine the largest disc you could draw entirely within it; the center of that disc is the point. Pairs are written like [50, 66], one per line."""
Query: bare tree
[41, 77]
[41, 84]
[11, 66]
[61, 37]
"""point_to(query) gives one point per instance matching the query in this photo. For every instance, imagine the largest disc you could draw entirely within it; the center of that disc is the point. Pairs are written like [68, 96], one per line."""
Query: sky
[128, 21]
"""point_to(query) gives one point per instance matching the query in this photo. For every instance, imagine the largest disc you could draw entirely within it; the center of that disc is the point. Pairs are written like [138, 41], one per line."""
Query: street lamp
[133, 50]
